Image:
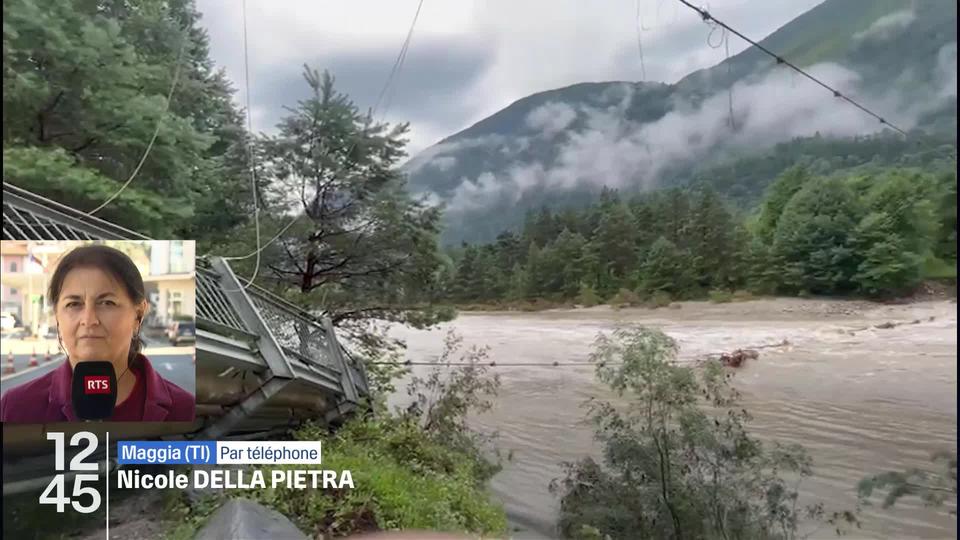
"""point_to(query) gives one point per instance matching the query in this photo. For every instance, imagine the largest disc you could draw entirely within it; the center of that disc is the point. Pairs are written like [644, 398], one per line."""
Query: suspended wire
[713, 30]
[393, 71]
[250, 152]
[497, 364]
[708, 18]
[398, 64]
[250, 156]
[695, 360]
[156, 131]
[639, 26]
[726, 46]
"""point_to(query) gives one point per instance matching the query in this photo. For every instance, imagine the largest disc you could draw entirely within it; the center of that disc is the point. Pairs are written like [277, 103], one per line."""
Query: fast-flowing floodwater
[861, 399]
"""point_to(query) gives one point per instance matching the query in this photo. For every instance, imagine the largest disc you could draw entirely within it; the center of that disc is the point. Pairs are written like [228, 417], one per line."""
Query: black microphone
[94, 390]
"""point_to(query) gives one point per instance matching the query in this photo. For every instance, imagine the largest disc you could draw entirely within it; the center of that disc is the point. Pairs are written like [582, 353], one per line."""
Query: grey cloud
[450, 81]
[883, 27]
[451, 67]
[947, 70]
[438, 151]
[444, 163]
[775, 108]
[551, 118]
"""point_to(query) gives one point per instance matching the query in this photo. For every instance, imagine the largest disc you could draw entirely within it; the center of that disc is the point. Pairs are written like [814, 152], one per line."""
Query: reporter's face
[96, 318]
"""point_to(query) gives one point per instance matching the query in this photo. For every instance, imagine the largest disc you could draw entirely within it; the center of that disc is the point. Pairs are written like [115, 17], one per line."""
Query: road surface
[173, 365]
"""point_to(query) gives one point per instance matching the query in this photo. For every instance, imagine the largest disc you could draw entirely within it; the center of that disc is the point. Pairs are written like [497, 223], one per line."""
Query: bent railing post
[280, 374]
[268, 346]
[346, 373]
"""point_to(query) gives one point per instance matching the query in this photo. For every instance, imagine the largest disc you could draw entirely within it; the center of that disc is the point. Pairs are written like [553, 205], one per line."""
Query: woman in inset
[99, 302]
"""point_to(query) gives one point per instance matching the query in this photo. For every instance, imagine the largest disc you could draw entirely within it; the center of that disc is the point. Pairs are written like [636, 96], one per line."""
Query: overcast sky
[467, 59]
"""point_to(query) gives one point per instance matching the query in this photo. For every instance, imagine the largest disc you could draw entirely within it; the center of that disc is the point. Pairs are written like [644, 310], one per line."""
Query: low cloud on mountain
[613, 151]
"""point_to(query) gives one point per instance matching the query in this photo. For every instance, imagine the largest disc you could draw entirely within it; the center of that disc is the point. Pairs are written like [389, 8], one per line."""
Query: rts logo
[96, 384]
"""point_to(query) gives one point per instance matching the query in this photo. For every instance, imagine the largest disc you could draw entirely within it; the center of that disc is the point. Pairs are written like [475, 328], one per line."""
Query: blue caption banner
[166, 453]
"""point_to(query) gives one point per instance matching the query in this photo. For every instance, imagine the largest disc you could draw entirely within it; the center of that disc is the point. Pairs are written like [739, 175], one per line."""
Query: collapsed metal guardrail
[262, 363]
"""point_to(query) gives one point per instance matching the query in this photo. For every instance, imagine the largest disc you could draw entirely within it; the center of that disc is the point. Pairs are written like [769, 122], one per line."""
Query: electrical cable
[708, 18]
[156, 131]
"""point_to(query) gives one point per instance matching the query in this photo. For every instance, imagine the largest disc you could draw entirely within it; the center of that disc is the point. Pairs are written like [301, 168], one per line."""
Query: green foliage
[872, 234]
[587, 296]
[85, 89]
[778, 195]
[625, 298]
[664, 269]
[742, 296]
[363, 251]
[934, 488]
[659, 299]
[934, 268]
[419, 468]
[889, 263]
[814, 238]
[402, 479]
[720, 296]
[678, 460]
[53, 172]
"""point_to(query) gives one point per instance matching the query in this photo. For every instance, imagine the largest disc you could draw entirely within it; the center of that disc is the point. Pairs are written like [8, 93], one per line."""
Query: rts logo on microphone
[96, 384]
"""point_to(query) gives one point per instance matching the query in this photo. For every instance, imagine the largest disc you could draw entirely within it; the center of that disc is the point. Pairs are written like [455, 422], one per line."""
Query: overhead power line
[250, 154]
[639, 26]
[697, 359]
[708, 18]
[397, 66]
[156, 131]
[498, 364]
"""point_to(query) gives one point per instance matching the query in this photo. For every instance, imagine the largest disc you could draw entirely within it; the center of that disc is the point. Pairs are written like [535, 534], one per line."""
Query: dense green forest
[874, 234]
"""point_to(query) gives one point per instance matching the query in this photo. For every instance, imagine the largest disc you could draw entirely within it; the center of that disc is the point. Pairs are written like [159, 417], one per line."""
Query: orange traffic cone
[33, 358]
[9, 368]
[47, 358]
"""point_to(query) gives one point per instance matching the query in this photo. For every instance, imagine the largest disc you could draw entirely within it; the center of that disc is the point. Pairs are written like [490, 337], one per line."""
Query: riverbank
[865, 386]
[929, 291]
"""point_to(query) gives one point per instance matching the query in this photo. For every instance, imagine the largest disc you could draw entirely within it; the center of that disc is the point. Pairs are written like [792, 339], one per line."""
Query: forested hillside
[559, 148]
[873, 234]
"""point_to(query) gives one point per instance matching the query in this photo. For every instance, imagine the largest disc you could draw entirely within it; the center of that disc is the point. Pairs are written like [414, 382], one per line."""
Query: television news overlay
[98, 331]
[99, 487]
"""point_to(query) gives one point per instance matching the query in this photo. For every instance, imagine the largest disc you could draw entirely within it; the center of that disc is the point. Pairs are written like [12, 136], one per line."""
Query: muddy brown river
[861, 399]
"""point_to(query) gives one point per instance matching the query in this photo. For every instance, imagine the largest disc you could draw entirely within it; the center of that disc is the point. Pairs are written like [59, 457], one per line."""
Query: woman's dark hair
[115, 263]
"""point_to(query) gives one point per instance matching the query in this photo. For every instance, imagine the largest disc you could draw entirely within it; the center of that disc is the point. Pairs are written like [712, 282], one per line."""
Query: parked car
[9, 321]
[183, 332]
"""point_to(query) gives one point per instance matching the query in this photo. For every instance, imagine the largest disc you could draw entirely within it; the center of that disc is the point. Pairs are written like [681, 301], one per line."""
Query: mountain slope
[558, 148]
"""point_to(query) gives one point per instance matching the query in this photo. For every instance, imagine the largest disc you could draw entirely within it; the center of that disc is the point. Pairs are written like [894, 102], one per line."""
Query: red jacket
[47, 399]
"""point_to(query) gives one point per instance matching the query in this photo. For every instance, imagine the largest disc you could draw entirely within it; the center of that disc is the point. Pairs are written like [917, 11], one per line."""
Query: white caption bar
[268, 453]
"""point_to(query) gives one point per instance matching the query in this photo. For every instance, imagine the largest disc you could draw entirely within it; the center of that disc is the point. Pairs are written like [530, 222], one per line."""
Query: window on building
[13, 266]
[176, 257]
[13, 291]
[176, 301]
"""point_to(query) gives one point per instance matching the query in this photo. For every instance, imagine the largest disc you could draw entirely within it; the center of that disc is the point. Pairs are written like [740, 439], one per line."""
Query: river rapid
[861, 399]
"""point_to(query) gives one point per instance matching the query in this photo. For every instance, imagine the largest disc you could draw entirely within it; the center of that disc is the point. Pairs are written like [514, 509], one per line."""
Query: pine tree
[665, 269]
[712, 240]
[362, 237]
[569, 248]
[615, 245]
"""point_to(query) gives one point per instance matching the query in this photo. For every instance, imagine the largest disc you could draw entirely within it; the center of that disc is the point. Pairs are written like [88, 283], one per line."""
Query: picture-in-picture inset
[98, 330]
